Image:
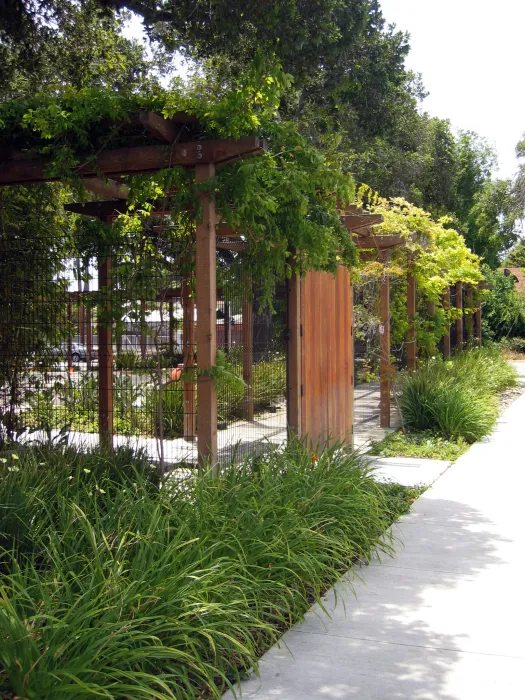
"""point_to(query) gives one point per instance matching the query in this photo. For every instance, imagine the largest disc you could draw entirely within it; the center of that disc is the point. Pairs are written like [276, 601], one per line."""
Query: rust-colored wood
[354, 222]
[377, 242]
[188, 343]
[206, 324]
[294, 355]
[69, 335]
[469, 319]
[247, 358]
[384, 352]
[459, 321]
[138, 159]
[431, 309]
[105, 357]
[411, 311]
[327, 357]
[106, 188]
[446, 336]
[143, 336]
[161, 129]
[171, 328]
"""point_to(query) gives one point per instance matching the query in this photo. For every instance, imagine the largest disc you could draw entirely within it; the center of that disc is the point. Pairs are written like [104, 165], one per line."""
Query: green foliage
[422, 445]
[134, 591]
[503, 309]
[457, 398]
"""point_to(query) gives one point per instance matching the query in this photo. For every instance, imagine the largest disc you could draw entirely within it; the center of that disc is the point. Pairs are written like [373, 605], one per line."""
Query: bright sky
[470, 54]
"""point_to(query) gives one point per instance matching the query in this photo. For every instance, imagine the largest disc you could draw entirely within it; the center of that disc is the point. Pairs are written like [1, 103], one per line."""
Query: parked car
[78, 352]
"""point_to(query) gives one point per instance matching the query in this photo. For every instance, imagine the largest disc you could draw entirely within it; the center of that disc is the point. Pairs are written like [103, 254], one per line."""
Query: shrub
[423, 445]
[115, 588]
[457, 398]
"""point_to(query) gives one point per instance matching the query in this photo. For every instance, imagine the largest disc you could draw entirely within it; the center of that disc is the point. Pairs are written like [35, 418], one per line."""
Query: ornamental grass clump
[113, 587]
[456, 398]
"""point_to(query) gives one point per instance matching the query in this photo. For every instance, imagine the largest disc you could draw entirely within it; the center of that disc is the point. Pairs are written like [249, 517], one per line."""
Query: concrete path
[445, 618]
[409, 471]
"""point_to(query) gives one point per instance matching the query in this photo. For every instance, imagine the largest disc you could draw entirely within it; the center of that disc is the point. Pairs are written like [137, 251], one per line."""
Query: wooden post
[459, 321]
[188, 343]
[171, 329]
[105, 357]
[478, 319]
[384, 356]
[446, 337]
[247, 354]
[69, 336]
[411, 310]
[469, 320]
[431, 309]
[81, 326]
[227, 327]
[294, 355]
[143, 336]
[206, 280]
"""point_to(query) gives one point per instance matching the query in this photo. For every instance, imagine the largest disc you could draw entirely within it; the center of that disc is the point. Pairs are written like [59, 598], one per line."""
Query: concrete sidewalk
[445, 618]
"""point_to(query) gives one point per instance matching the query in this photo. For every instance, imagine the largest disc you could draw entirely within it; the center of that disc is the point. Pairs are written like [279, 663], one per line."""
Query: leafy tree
[503, 309]
[516, 256]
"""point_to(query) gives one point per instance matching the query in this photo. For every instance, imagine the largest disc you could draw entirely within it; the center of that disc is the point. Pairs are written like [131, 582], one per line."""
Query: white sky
[470, 54]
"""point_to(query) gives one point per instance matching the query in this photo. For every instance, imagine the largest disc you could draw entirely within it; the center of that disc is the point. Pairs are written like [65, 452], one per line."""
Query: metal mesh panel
[132, 311]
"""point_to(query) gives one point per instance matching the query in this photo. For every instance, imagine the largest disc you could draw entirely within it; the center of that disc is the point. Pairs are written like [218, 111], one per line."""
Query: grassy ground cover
[456, 398]
[114, 588]
[422, 445]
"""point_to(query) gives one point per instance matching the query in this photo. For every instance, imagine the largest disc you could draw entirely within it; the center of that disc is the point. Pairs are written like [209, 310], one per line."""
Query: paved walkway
[445, 618]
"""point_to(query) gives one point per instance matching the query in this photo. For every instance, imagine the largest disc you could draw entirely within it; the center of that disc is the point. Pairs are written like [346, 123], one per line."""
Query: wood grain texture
[327, 358]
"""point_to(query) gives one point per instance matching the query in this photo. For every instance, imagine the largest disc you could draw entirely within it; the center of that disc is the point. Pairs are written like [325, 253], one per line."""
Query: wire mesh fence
[111, 337]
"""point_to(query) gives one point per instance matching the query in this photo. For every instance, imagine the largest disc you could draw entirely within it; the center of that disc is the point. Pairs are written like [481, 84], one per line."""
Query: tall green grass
[114, 588]
[456, 398]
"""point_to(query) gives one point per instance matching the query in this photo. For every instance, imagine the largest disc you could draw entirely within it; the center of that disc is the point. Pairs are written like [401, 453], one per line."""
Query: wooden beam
[478, 321]
[163, 130]
[138, 159]
[206, 325]
[105, 356]
[188, 344]
[294, 355]
[106, 188]
[411, 311]
[384, 352]
[469, 319]
[354, 222]
[459, 321]
[378, 242]
[446, 337]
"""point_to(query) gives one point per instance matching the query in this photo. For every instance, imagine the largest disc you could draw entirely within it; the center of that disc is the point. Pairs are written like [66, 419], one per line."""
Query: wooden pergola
[174, 144]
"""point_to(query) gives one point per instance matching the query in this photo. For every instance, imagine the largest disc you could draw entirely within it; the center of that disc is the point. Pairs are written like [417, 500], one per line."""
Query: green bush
[112, 587]
[457, 398]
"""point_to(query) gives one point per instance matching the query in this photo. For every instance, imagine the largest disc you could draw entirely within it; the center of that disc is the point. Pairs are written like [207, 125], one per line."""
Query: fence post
[188, 344]
[478, 318]
[459, 321]
[247, 351]
[206, 280]
[411, 310]
[446, 337]
[384, 356]
[294, 355]
[105, 354]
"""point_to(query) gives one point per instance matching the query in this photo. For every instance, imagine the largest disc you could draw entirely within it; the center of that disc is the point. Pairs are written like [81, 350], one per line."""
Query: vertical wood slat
[247, 356]
[294, 355]
[171, 328]
[188, 345]
[411, 310]
[105, 356]
[206, 280]
[459, 321]
[384, 356]
[469, 319]
[446, 337]
[327, 357]
[478, 319]
[143, 336]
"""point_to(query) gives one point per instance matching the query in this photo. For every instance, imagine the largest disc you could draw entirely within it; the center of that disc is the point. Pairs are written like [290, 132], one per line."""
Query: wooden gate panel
[327, 357]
